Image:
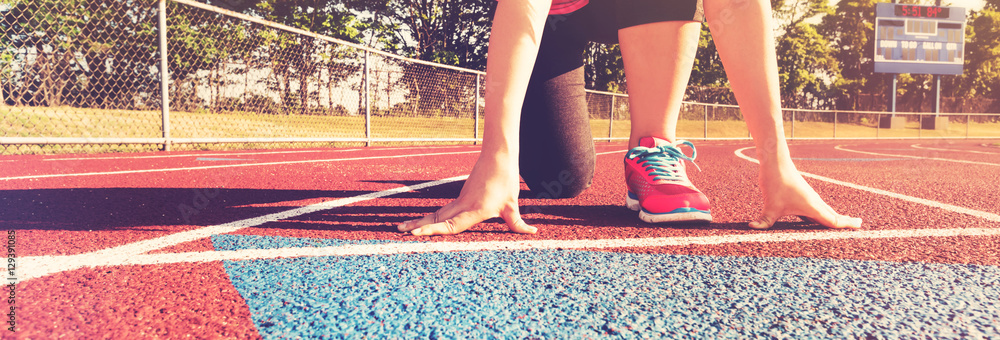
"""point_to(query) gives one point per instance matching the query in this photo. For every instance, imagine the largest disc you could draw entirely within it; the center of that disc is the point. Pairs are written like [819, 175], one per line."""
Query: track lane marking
[235, 153]
[953, 208]
[611, 152]
[841, 148]
[37, 266]
[228, 166]
[76, 261]
[45, 265]
[195, 155]
[918, 146]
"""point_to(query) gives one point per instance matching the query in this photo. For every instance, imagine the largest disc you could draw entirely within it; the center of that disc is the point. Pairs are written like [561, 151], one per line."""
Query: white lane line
[954, 208]
[427, 247]
[45, 265]
[611, 152]
[37, 266]
[841, 148]
[918, 146]
[230, 166]
[196, 155]
[237, 153]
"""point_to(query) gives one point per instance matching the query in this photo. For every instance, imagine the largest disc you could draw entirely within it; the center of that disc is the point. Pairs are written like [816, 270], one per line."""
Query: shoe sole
[674, 216]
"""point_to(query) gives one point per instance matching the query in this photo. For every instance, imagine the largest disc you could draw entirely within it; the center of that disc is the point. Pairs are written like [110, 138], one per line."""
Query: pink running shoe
[658, 187]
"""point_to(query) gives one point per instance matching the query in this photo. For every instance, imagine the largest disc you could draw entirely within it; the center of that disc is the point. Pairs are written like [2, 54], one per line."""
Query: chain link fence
[86, 76]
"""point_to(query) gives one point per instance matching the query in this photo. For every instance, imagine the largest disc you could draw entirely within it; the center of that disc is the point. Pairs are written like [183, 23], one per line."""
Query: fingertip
[527, 229]
[519, 226]
[759, 225]
[409, 225]
[763, 222]
[853, 223]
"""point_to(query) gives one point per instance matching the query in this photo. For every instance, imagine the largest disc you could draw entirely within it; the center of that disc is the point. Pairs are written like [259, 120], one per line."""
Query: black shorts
[637, 12]
[600, 20]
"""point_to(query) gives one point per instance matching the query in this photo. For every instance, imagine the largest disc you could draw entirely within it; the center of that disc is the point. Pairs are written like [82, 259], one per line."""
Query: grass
[76, 122]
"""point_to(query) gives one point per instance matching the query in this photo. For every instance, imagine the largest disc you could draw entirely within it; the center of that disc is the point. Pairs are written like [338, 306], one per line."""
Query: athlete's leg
[743, 36]
[658, 59]
[557, 147]
[658, 52]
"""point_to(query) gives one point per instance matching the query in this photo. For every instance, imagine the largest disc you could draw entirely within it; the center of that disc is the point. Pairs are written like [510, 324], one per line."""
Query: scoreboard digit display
[919, 39]
[921, 11]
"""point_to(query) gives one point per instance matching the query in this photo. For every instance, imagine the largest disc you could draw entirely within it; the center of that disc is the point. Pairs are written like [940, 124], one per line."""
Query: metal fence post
[878, 124]
[793, 123]
[705, 109]
[968, 122]
[834, 124]
[611, 120]
[164, 76]
[368, 104]
[475, 133]
[920, 126]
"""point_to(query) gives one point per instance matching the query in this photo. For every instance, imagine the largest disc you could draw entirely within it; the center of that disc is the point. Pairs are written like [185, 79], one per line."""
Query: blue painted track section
[592, 294]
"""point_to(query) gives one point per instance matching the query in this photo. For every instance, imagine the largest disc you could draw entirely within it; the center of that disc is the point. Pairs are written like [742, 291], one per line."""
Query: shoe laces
[662, 162]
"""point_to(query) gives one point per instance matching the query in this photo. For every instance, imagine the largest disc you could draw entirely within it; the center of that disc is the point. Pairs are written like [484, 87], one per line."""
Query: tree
[805, 62]
[603, 68]
[790, 14]
[850, 30]
[298, 57]
[708, 83]
[448, 32]
[981, 72]
[77, 52]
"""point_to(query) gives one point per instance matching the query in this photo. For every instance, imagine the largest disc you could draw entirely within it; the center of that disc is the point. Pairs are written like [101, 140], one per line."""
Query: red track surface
[79, 214]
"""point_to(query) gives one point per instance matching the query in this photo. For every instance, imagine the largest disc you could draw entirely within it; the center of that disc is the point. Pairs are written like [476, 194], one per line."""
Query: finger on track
[450, 226]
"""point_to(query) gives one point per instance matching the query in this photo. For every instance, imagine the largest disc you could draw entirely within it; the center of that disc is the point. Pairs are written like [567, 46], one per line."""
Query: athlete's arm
[493, 185]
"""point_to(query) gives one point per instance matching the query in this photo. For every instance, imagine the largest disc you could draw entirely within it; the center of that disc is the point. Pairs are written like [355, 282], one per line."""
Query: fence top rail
[895, 113]
[607, 93]
[275, 25]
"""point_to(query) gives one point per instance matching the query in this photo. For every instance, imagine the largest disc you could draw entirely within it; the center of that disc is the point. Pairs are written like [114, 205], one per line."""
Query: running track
[302, 244]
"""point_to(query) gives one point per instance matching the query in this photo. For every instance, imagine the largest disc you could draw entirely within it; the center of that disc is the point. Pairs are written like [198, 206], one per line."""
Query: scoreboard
[919, 39]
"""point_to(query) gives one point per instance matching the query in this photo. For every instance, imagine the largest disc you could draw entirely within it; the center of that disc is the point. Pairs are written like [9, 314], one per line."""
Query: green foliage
[850, 29]
[603, 68]
[708, 69]
[806, 63]
[82, 52]
[454, 32]
[993, 5]
[981, 76]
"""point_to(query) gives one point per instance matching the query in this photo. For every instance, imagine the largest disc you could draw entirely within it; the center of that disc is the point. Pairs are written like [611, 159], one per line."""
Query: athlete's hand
[490, 191]
[787, 193]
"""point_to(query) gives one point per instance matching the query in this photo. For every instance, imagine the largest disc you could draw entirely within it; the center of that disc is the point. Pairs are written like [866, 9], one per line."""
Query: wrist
[500, 155]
